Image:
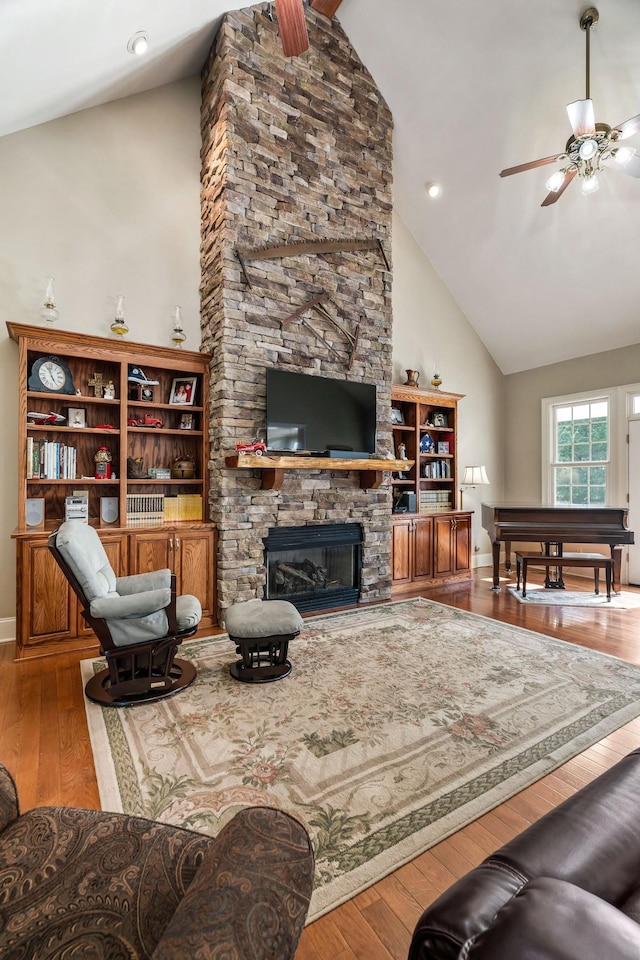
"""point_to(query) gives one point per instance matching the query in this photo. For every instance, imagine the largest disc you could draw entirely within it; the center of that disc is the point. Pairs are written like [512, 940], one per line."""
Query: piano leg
[616, 556]
[495, 547]
[557, 582]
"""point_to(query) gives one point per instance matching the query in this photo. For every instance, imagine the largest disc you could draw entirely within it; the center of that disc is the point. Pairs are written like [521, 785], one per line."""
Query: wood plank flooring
[45, 743]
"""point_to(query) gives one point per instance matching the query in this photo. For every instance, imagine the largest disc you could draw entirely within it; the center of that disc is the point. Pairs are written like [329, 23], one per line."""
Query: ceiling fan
[592, 144]
[293, 27]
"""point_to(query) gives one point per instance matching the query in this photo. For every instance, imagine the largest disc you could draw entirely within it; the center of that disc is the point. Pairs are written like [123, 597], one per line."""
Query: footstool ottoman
[261, 630]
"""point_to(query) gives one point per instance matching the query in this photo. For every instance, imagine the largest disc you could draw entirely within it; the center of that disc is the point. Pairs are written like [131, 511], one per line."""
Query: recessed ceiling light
[434, 190]
[138, 43]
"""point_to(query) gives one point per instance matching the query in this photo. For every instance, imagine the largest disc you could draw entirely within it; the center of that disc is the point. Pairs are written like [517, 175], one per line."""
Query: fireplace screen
[314, 567]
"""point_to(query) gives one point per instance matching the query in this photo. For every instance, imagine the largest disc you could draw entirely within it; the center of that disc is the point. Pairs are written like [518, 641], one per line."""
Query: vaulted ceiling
[473, 89]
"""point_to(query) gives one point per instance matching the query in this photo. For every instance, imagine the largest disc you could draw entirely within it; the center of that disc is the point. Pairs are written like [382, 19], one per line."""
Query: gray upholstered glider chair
[95, 885]
[139, 620]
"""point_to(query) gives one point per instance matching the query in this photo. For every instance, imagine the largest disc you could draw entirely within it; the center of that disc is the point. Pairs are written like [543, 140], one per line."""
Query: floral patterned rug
[399, 724]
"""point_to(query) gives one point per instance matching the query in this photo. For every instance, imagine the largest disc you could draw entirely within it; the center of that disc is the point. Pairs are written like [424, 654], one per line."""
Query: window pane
[581, 437]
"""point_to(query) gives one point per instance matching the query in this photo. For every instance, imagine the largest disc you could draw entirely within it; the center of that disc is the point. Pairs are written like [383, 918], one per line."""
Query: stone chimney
[293, 150]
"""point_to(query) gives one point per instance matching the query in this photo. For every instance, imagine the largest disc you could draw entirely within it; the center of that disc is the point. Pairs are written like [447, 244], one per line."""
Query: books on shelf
[148, 509]
[50, 460]
[437, 470]
[185, 506]
[144, 509]
[432, 501]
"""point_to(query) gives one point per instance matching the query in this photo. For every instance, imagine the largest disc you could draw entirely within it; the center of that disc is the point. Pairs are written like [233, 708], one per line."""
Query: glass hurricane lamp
[119, 325]
[49, 313]
[178, 336]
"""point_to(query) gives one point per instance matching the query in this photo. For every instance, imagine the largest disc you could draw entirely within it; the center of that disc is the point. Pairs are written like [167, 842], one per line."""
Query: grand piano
[553, 526]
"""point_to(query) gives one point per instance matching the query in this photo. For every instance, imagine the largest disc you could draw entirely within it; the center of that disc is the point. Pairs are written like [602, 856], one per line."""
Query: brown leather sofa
[91, 885]
[567, 888]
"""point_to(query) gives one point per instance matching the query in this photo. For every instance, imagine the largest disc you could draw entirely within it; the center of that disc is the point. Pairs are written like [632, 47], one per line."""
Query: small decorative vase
[412, 378]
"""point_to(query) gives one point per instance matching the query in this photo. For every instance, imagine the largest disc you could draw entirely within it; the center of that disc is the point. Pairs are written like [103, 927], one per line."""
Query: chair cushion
[262, 618]
[188, 612]
[82, 549]
[107, 884]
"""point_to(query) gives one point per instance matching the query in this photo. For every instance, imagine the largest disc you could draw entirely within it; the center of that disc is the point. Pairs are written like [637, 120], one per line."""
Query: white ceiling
[473, 88]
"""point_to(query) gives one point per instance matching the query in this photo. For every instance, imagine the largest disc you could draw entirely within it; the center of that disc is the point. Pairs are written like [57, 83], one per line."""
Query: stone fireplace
[293, 151]
[314, 567]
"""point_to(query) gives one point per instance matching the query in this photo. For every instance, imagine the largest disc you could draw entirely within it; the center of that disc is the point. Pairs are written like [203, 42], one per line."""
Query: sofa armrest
[250, 895]
[555, 920]
[9, 809]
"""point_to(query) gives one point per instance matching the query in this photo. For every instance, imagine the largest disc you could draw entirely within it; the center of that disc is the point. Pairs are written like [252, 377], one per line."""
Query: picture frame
[443, 447]
[397, 416]
[183, 391]
[186, 421]
[76, 417]
[146, 393]
[440, 420]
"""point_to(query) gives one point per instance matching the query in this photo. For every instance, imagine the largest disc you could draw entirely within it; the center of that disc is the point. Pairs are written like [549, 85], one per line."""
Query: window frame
[616, 449]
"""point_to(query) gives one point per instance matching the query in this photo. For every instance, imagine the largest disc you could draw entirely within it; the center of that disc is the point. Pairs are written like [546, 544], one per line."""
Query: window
[580, 459]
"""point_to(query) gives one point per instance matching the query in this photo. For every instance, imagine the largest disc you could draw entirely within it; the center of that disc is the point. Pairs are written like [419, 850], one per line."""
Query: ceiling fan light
[588, 149]
[555, 181]
[622, 155]
[590, 185]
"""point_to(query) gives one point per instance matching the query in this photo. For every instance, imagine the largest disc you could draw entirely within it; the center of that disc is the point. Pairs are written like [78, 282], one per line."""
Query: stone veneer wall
[293, 150]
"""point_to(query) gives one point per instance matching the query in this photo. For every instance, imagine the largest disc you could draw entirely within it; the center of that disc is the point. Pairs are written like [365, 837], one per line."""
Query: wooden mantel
[273, 468]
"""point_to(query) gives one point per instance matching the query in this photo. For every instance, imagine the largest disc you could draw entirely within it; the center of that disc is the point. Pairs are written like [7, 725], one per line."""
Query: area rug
[577, 598]
[398, 725]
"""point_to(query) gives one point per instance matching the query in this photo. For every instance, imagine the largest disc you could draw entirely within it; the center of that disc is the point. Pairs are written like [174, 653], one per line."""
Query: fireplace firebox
[314, 567]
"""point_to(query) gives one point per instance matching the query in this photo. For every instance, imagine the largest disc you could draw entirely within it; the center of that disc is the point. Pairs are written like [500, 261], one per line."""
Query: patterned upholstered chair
[139, 620]
[96, 885]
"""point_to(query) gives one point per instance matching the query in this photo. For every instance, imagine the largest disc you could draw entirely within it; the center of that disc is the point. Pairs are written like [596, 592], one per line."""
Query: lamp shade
[475, 475]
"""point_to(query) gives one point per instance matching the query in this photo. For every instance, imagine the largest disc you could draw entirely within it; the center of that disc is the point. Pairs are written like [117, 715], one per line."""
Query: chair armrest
[250, 895]
[9, 809]
[555, 920]
[141, 582]
[114, 607]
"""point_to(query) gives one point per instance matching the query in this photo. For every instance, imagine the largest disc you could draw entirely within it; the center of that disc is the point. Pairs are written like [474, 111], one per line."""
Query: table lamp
[474, 476]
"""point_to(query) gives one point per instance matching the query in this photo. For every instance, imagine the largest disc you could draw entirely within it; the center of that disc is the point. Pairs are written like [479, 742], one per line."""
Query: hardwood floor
[45, 743]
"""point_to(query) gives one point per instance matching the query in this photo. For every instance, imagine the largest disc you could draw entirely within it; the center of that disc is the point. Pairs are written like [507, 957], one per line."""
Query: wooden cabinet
[427, 550]
[451, 544]
[412, 550]
[431, 540]
[143, 428]
[190, 554]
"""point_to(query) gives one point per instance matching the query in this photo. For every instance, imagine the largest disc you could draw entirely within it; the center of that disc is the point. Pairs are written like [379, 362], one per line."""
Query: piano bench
[596, 561]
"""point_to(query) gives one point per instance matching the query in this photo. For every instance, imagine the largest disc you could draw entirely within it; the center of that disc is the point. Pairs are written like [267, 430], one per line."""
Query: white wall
[107, 201]
[429, 326]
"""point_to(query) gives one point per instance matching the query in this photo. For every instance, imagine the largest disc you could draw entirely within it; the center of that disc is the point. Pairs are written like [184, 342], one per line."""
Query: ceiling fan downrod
[588, 20]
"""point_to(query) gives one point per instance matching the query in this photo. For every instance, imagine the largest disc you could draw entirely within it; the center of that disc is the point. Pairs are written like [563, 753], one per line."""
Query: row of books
[437, 470]
[433, 500]
[49, 460]
[147, 509]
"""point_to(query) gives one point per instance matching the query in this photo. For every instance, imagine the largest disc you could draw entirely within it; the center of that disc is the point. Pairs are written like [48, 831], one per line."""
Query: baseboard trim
[7, 629]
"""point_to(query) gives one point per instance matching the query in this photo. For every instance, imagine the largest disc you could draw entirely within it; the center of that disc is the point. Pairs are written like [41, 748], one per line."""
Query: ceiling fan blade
[555, 195]
[293, 27]
[626, 129]
[529, 166]
[632, 166]
[328, 7]
[581, 117]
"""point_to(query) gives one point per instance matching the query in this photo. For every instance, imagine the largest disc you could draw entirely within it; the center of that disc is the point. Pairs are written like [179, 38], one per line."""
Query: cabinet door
[193, 552]
[443, 546]
[422, 548]
[151, 551]
[462, 544]
[46, 605]
[115, 546]
[401, 542]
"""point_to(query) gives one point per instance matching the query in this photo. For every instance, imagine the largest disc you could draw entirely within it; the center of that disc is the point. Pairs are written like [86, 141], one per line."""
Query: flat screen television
[320, 415]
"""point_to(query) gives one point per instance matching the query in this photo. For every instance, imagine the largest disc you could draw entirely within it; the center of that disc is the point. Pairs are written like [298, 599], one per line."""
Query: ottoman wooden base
[261, 631]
